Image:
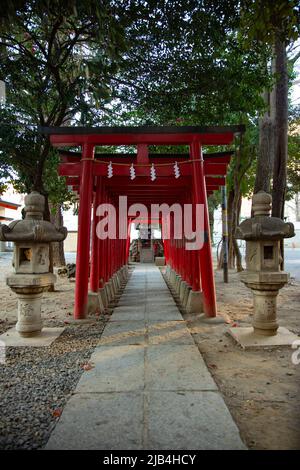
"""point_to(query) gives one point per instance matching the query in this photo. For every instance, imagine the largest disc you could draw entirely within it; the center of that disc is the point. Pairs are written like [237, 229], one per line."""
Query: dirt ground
[57, 307]
[261, 387]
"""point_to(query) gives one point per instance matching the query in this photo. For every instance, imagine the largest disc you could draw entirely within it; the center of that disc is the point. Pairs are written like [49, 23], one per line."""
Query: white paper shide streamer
[153, 172]
[132, 172]
[110, 171]
[176, 170]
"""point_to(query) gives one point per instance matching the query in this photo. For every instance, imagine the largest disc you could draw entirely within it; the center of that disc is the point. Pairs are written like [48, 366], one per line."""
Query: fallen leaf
[87, 366]
[56, 413]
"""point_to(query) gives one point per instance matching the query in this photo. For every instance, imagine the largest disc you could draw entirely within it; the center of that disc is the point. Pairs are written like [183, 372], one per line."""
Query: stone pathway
[149, 388]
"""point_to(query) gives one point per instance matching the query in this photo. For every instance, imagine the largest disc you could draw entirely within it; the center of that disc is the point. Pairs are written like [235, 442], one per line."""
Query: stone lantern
[263, 276]
[31, 277]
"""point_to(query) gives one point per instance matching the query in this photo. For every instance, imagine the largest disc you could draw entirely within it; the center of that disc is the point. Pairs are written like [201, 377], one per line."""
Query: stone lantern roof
[33, 228]
[262, 226]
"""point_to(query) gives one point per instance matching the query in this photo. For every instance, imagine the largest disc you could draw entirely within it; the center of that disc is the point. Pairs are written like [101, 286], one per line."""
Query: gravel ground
[36, 383]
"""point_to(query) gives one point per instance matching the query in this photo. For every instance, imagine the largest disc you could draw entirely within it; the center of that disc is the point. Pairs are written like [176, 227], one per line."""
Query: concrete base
[95, 304]
[160, 260]
[172, 278]
[109, 291]
[113, 286]
[168, 272]
[122, 277]
[177, 283]
[11, 338]
[117, 281]
[194, 302]
[218, 320]
[246, 337]
[183, 287]
[186, 296]
[103, 295]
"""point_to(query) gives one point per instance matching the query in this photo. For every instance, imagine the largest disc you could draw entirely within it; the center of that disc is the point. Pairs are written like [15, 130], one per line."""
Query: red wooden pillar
[102, 253]
[167, 244]
[95, 274]
[106, 250]
[128, 242]
[84, 228]
[205, 254]
[196, 261]
[184, 251]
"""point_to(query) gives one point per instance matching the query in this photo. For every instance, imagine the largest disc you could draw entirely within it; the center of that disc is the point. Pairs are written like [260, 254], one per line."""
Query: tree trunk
[230, 211]
[47, 217]
[237, 252]
[266, 152]
[281, 130]
[297, 206]
[242, 162]
[234, 203]
[211, 224]
[57, 248]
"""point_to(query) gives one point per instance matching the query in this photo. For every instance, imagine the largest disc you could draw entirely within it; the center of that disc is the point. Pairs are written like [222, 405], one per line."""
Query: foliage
[293, 165]
[262, 20]
[66, 52]
[186, 65]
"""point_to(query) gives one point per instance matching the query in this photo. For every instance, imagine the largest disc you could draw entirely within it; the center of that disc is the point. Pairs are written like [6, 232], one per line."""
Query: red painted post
[128, 242]
[84, 228]
[95, 275]
[102, 252]
[196, 261]
[205, 254]
[184, 251]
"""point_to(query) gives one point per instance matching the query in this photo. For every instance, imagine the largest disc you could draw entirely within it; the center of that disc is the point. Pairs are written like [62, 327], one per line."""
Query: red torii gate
[87, 173]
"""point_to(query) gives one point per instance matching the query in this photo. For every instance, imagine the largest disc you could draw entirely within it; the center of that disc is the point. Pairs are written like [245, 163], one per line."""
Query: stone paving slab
[116, 369]
[100, 422]
[191, 420]
[126, 303]
[164, 303]
[160, 298]
[163, 314]
[127, 315]
[177, 367]
[128, 308]
[149, 387]
[123, 332]
[169, 332]
[11, 338]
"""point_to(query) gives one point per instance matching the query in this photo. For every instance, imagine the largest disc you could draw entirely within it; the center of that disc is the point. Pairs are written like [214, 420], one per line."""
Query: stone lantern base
[11, 338]
[29, 289]
[247, 338]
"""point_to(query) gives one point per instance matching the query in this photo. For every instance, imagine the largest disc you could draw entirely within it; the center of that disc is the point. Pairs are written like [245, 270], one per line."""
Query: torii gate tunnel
[88, 173]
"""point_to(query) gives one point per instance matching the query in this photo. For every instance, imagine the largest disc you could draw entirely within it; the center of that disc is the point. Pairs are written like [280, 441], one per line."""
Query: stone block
[11, 338]
[186, 420]
[194, 303]
[247, 338]
[104, 421]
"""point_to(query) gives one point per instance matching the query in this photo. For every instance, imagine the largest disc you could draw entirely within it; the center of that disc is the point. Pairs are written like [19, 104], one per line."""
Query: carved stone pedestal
[29, 289]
